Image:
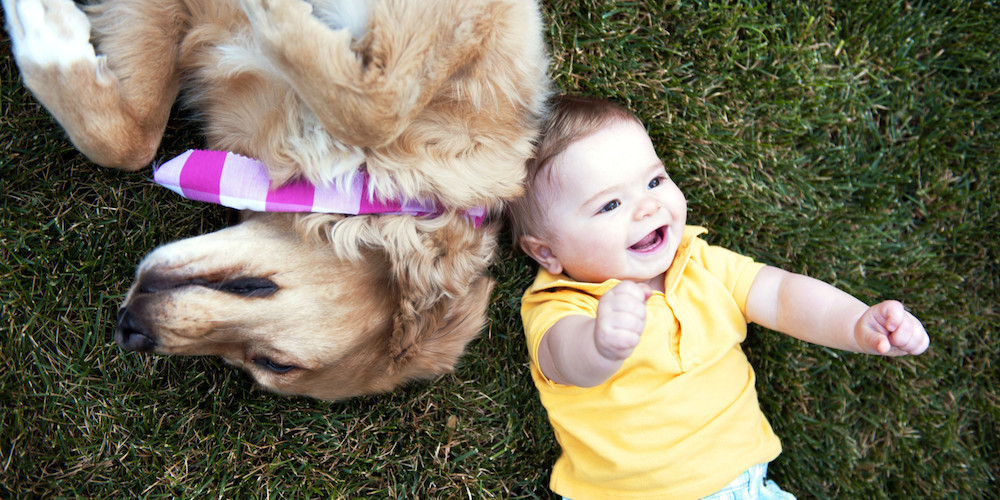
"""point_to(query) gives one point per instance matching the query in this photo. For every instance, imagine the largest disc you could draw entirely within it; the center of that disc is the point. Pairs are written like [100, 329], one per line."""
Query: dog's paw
[48, 32]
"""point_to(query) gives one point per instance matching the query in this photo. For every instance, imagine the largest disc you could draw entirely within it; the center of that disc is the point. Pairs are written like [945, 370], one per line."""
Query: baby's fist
[621, 317]
[888, 329]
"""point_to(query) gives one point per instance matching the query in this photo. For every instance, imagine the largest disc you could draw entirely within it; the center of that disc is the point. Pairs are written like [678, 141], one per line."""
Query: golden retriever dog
[434, 99]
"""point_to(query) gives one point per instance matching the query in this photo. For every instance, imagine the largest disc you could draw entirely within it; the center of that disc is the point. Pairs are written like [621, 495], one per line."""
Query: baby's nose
[646, 207]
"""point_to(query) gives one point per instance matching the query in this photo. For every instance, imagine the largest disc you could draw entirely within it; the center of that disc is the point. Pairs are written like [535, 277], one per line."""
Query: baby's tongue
[646, 242]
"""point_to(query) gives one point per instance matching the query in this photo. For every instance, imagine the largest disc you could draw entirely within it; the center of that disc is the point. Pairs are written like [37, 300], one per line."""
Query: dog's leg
[368, 97]
[114, 117]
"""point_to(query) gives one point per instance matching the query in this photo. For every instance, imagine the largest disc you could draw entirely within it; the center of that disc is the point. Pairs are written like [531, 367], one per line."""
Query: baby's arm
[811, 310]
[583, 351]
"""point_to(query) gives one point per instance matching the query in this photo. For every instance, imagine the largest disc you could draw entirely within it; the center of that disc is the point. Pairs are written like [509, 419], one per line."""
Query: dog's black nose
[131, 334]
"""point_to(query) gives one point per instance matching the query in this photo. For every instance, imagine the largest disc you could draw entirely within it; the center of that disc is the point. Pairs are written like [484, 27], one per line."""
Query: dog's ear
[443, 291]
[430, 342]
[437, 271]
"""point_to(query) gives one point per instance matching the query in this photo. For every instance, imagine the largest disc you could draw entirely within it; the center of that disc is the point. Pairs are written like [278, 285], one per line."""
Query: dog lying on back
[434, 100]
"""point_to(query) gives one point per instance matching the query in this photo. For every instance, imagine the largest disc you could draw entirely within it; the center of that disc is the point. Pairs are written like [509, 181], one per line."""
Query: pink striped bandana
[239, 182]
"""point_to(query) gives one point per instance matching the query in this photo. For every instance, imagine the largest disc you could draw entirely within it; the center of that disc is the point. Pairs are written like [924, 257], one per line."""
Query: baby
[634, 323]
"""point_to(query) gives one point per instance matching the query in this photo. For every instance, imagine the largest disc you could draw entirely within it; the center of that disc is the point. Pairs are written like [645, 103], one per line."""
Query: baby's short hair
[571, 118]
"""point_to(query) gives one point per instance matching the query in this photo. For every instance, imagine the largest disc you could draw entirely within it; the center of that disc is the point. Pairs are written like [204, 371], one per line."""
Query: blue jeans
[750, 485]
[753, 483]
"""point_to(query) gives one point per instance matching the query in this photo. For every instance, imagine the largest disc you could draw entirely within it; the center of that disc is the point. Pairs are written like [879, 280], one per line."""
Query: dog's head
[317, 305]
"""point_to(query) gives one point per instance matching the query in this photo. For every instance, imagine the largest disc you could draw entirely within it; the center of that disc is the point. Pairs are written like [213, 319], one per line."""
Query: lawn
[858, 142]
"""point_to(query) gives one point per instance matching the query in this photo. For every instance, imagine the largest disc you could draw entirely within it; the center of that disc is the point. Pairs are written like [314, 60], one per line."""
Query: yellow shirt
[680, 419]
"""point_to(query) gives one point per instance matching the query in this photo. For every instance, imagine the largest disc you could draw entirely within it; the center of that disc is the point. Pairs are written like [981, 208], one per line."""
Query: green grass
[853, 141]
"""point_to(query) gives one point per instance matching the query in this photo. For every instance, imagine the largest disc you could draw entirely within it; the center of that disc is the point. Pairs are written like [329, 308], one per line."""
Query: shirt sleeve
[542, 309]
[737, 272]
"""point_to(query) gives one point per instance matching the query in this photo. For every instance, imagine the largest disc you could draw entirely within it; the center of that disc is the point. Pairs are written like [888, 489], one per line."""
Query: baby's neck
[656, 283]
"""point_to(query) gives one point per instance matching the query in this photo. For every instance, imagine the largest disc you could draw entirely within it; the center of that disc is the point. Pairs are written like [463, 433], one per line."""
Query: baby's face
[611, 210]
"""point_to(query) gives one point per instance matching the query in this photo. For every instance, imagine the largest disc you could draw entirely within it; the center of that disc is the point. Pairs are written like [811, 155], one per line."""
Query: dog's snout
[131, 333]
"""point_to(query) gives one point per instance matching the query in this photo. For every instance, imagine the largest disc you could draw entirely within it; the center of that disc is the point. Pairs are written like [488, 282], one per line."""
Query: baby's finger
[632, 290]
[627, 339]
[910, 337]
[889, 314]
[629, 320]
[873, 340]
[617, 343]
[627, 307]
[628, 299]
[878, 344]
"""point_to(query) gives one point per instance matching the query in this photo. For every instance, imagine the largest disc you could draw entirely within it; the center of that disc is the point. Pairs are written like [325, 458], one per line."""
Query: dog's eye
[248, 287]
[270, 365]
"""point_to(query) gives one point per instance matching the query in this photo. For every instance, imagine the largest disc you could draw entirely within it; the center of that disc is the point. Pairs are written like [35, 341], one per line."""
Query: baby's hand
[621, 317]
[888, 329]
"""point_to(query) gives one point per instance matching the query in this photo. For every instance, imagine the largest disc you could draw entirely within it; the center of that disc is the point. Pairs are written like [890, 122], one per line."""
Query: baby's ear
[541, 252]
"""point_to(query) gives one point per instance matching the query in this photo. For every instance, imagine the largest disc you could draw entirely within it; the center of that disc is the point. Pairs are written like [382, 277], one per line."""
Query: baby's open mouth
[651, 241]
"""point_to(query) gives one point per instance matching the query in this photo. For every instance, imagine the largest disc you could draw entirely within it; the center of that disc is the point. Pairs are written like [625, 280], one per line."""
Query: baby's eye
[655, 182]
[611, 205]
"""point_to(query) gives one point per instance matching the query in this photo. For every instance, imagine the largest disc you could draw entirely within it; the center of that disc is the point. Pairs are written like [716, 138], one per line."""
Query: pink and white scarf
[239, 182]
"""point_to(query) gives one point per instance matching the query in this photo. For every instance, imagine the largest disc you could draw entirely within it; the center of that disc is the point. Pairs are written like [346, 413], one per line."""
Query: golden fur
[439, 99]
